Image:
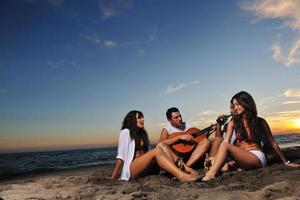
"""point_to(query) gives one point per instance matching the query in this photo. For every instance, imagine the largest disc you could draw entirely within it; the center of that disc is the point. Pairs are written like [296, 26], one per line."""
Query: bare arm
[164, 137]
[117, 169]
[218, 131]
[275, 146]
[229, 132]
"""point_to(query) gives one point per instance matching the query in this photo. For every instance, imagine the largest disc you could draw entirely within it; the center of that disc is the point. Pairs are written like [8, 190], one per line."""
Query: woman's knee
[204, 142]
[207, 141]
[224, 145]
[159, 147]
[162, 145]
[218, 140]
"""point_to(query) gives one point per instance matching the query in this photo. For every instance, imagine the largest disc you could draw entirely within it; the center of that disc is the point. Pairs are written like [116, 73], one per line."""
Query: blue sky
[71, 70]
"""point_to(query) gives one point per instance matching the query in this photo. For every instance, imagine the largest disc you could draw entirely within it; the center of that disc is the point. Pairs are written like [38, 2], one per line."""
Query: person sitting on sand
[134, 158]
[250, 131]
[218, 139]
[220, 135]
[176, 125]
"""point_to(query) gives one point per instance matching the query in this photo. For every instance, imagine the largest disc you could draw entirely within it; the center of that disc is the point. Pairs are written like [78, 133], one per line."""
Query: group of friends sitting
[237, 145]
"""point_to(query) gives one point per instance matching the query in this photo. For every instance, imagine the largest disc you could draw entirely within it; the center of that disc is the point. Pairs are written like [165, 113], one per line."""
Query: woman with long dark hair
[134, 158]
[251, 131]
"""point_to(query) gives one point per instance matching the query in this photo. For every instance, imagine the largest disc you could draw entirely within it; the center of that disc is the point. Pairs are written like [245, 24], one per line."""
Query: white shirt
[126, 149]
[185, 126]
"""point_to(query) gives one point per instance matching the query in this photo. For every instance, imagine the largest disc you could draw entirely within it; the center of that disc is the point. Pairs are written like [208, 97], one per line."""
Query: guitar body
[183, 147]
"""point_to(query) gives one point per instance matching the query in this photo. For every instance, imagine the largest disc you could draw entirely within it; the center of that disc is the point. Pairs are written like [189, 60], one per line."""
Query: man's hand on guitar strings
[213, 127]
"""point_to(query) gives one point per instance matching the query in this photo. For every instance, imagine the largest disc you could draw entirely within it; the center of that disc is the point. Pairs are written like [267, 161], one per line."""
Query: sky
[70, 70]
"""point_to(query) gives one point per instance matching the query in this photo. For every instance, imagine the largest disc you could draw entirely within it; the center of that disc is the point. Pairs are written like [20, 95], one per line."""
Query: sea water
[19, 163]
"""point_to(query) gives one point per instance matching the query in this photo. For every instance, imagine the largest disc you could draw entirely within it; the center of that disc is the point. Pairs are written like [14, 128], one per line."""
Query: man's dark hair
[170, 111]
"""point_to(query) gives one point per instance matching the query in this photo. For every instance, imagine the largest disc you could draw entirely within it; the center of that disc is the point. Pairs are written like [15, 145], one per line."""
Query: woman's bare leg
[173, 157]
[215, 146]
[244, 159]
[216, 142]
[141, 163]
[212, 152]
[200, 150]
[167, 149]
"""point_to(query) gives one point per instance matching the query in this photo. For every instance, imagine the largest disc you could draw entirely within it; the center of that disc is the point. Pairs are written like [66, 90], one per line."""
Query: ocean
[21, 163]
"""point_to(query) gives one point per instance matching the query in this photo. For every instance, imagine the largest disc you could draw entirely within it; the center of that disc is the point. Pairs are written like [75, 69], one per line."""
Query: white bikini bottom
[261, 156]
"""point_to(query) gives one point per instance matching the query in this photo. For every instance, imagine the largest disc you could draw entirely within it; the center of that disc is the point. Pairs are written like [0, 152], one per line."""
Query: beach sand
[273, 182]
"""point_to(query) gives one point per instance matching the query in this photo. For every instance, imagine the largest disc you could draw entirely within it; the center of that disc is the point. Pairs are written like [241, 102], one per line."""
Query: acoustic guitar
[183, 146]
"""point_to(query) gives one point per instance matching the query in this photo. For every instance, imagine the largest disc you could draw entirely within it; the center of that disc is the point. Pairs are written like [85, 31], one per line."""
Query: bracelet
[287, 162]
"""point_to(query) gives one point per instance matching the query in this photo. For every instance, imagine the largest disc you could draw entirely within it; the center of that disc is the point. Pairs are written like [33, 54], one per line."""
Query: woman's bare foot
[229, 166]
[188, 177]
[225, 168]
[208, 177]
[183, 167]
[190, 170]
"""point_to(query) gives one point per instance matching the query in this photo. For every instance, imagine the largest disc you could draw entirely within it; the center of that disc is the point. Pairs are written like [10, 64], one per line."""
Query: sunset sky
[70, 70]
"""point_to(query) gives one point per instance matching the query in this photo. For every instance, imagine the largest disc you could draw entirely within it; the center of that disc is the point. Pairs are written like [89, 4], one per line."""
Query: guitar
[183, 146]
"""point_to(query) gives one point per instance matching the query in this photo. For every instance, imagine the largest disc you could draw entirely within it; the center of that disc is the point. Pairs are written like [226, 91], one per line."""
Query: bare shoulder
[230, 123]
[164, 134]
[164, 131]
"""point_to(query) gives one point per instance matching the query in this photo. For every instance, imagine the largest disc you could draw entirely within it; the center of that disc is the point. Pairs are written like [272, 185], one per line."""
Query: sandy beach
[273, 182]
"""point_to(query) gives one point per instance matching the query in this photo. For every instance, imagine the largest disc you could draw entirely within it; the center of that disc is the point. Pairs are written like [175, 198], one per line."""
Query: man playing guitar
[177, 125]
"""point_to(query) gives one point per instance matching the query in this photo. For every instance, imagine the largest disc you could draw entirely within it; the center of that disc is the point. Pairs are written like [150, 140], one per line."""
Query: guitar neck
[204, 131]
[207, 130]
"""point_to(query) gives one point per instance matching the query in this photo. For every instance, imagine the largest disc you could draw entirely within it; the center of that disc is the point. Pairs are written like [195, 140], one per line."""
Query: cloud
[171, 89]
[54, 3]
[110, 44]
[207, 112]
[282, 114]
[284, 121]
[277, 53]
[150, 37]
[204, 121]
[141, 51]
[291, 93]
[161, 124]
[276, 101]
[61, 64]
[112, 8]
[267, 100]
[289, 113]
[287, 11]
[291, 102]
[288, 97]
[293, 56]
[103, 43]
